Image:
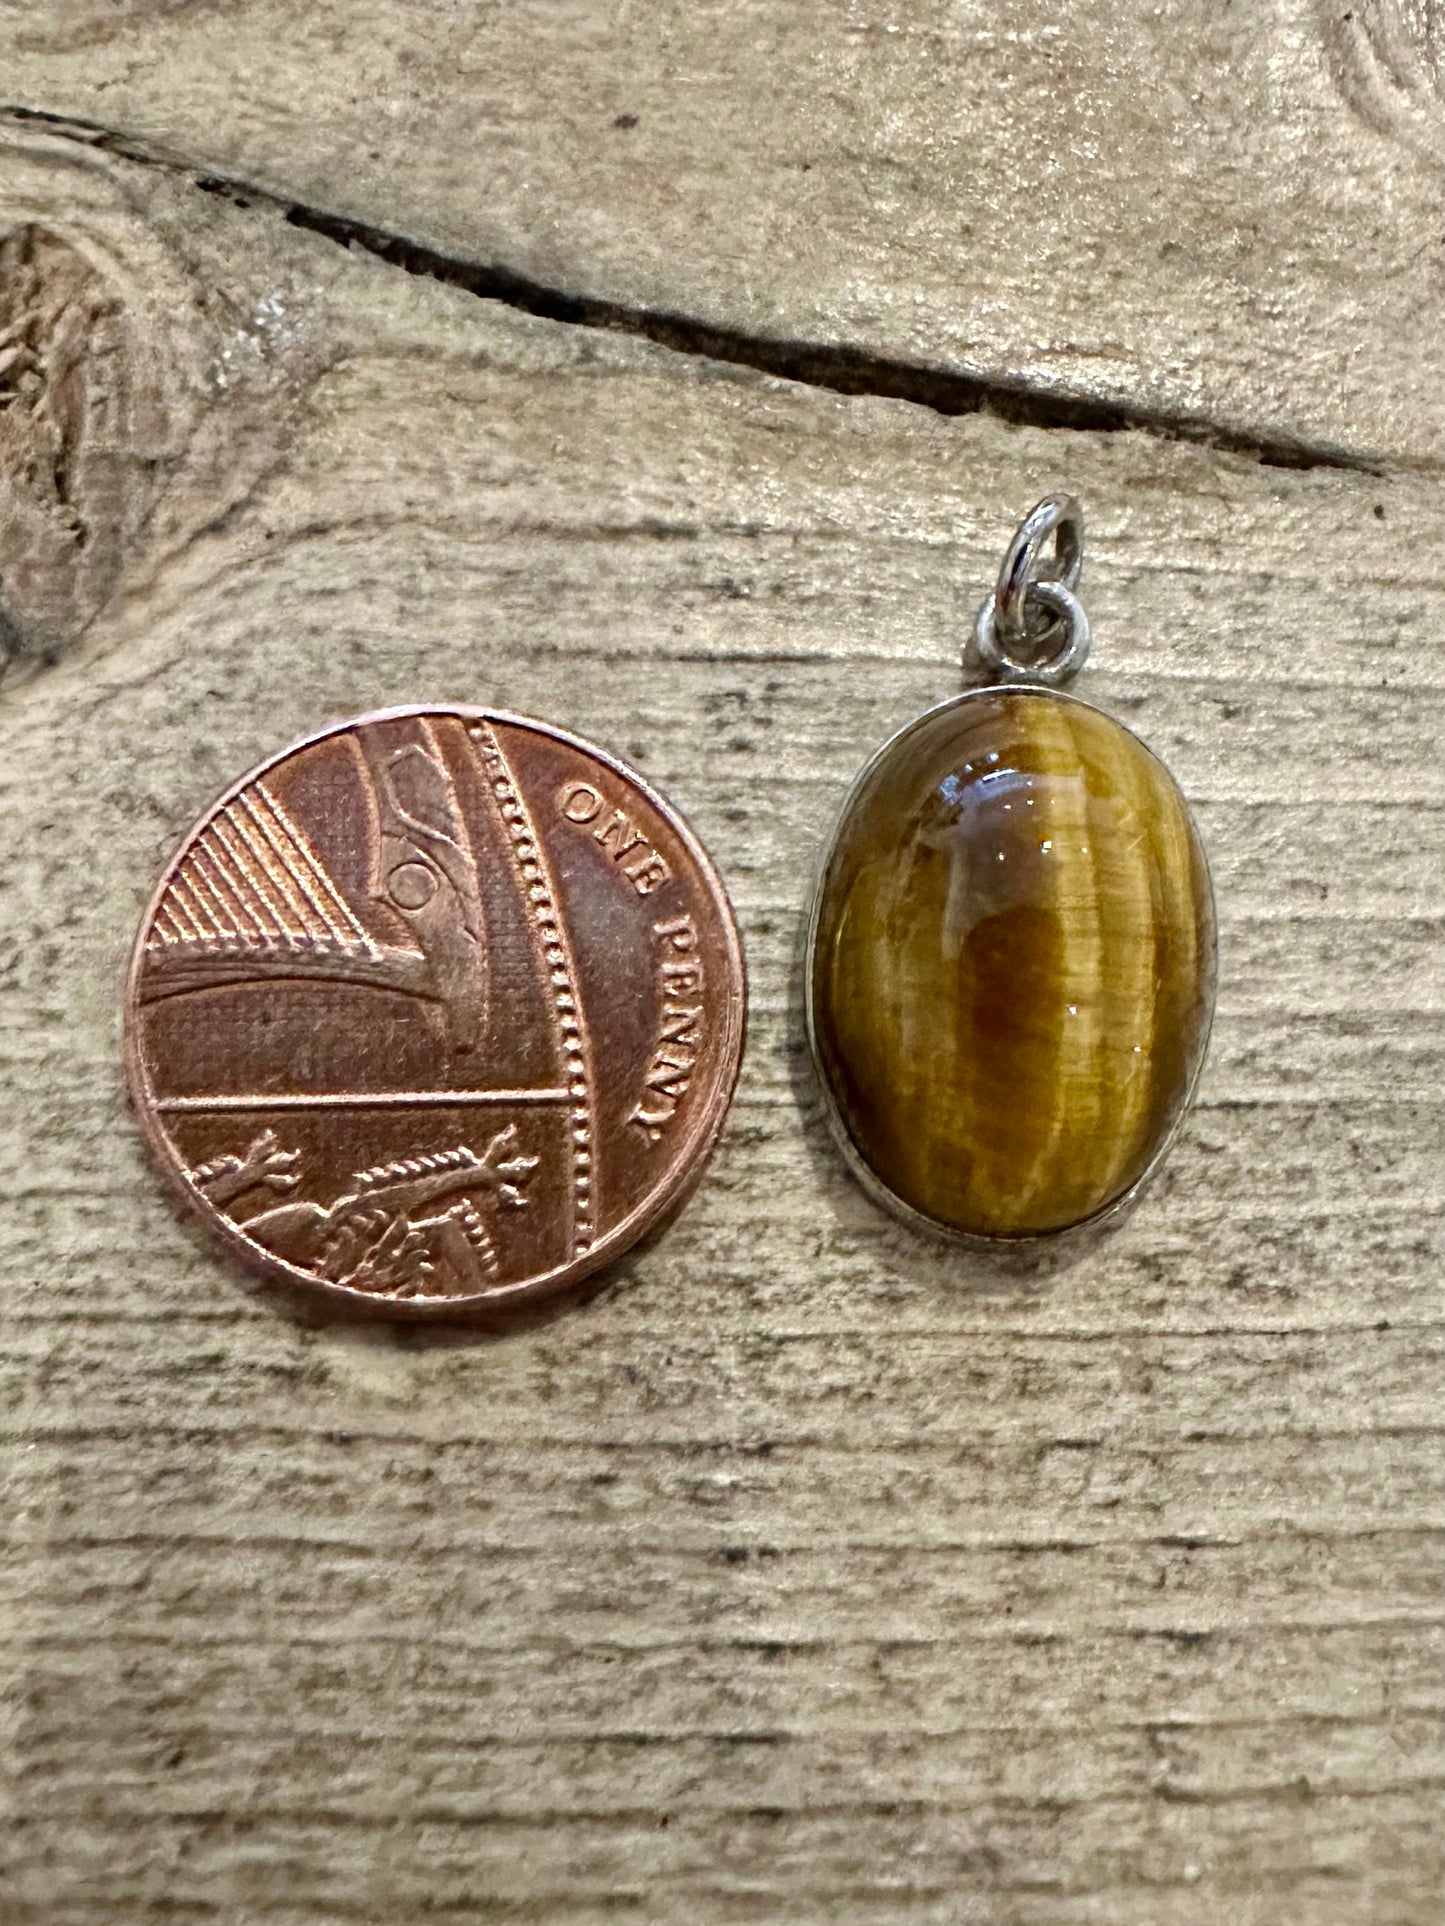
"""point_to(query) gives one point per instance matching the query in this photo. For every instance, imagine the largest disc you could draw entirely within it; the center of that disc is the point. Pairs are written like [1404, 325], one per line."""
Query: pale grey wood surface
[812, 1572]
[1229, 214]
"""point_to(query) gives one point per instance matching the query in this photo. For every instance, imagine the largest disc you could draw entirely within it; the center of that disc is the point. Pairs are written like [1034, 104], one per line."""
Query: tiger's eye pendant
[1010, 975]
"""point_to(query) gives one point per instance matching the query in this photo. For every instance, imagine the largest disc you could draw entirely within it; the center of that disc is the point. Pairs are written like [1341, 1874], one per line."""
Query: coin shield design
[438, 1009]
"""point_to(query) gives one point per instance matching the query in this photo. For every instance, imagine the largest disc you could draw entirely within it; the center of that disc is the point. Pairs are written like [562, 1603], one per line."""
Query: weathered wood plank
[1229, 218]
[811, 1570]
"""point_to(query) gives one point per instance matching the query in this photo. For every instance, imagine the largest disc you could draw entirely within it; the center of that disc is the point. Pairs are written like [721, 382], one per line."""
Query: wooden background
[677, 371]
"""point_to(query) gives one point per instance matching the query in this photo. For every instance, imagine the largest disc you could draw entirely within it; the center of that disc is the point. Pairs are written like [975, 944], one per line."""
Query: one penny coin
[439, 1009]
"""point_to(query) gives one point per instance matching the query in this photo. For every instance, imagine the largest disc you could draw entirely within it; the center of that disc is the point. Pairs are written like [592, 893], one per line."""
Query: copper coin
[438, 1009]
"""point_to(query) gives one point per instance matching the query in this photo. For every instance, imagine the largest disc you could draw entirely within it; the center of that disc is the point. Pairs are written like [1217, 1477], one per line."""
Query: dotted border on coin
[527, 855]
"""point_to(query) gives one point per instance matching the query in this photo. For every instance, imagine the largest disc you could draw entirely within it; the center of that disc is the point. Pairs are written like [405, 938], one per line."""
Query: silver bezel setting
[858, 1165]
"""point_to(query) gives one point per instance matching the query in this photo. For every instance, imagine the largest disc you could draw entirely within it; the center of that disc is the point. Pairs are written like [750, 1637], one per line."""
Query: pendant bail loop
[1033, 627]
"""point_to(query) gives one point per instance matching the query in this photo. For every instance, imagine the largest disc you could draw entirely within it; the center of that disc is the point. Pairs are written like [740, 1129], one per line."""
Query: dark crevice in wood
[840, 369]
[835, 367]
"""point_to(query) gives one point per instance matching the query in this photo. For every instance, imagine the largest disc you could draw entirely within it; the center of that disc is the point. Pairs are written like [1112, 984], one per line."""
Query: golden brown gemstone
[1013, 963]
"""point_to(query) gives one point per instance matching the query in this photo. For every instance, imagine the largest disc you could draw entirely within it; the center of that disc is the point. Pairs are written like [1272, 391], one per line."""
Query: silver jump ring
[1061, 517]
[1050, 670]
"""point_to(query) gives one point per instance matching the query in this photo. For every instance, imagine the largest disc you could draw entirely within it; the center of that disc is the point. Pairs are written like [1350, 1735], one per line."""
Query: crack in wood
[832, 366]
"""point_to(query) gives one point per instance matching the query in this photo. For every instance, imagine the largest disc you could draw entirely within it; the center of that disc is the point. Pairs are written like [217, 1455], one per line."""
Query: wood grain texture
[1390, 61]
[813, 1571]
[1229, 215]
